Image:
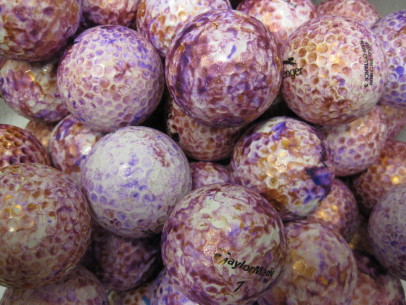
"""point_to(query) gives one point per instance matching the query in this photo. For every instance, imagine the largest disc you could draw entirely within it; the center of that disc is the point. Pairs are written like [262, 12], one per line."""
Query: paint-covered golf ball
[80, 287]
[360, 10]
[164, 292]
[18, 145]
[320, 268]
[334, 70]
[44, 228]
[282, 18]
[111, 77]
[137, 296]
[35, 31]
[41, 130]
[286, 161]
[113, 12]
[355, 146]
[125, 263]
[159, 20]
[391, 31]
[385, 173]
[199, 141]
[395, 120]
[375, 286]
[223, 68]
[387, 230]
[69, 145]
[338, 210]
[133, 178]
[223, 244]
[205, 173]
[30, 89]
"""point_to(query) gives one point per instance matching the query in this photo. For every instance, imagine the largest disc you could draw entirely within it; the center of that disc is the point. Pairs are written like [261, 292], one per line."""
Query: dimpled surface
[360, 10]
[320, 268]
[32, 30]
[223, 244]
[80, 287]
[223, 68]
[133, 178]
[387, 172]
[69, 145]
[205, 173]
[391, 30]
[199, 141]
[282, 18]
[160, 20]
[137, 296]
[44, 227]
[111, 77]
[115, 12]
[124, 263]
[355, 146]
[334, 72]
[20, 146]
[164, 292]
[42, 131]
[395, 120]
[285, 161]
[375, 286]
[30, 89]
[387, 230]
[338, 210]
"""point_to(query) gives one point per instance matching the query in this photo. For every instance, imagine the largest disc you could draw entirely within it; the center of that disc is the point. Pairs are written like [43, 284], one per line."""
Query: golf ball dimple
[205, 173]
[334, 70]
[223, 68]
[133, 178]
[30, 89]
[111, 77]
[395, 120]
[391, 32]
[223, 244]
[286, 161]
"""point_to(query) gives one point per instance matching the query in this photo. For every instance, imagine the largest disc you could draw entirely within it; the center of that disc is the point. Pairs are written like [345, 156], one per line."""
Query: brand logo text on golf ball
[368, 63]
[292, 73]
[290, 3]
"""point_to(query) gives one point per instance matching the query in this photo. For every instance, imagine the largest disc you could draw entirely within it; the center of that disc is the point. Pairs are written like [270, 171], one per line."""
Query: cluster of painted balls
[202, 152]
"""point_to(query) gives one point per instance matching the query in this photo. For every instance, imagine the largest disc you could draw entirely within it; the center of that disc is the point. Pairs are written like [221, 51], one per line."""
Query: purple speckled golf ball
[124, 263]
[375, 286]
[391, 31]
[282, 18]
[164, 292]
[355, 146]
[44, 225]
[69, 145]
[320, 268]
[395, 120]
[112, 12]
[159, 20]
[35, 31]
[205, 173]
[80, 287]
[360, 10]
[385, 173]
[137, 296]
[197, 140]
[387, 230]
[18, 145]
[334, 70]
[133, 178]
[286, 161]
[223, 68]
[30, 89]
[111, 77]
[41, 130]
[223, 244]
[338, 210]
